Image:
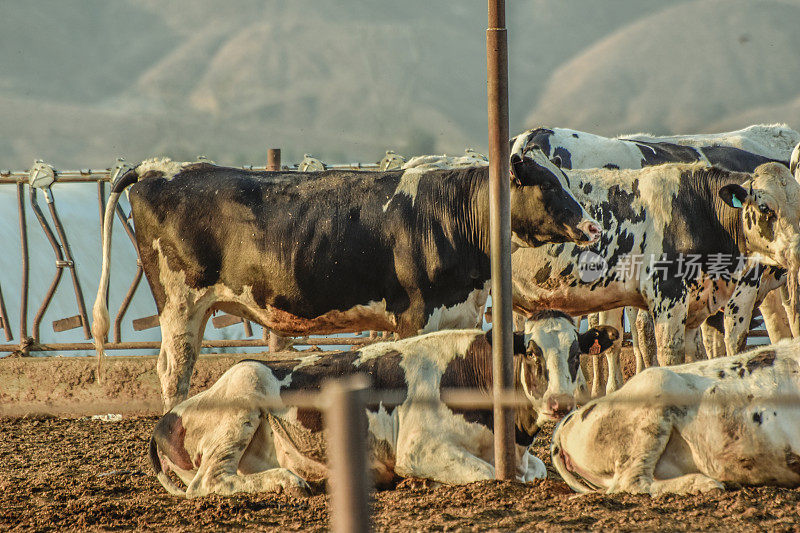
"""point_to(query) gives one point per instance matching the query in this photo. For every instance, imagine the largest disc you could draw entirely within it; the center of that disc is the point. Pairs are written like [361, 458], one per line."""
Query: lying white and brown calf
[227, 439]
[689, 428]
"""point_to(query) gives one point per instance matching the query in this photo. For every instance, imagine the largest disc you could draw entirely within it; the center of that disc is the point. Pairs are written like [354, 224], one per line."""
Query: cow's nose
[591, 230]
[559, 405]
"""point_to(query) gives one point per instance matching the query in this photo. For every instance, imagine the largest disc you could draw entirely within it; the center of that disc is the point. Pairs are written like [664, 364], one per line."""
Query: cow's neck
[699, 197]
[525, 416]
[460, 206]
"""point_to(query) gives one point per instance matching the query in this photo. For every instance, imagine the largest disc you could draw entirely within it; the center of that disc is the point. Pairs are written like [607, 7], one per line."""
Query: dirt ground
[83, 474]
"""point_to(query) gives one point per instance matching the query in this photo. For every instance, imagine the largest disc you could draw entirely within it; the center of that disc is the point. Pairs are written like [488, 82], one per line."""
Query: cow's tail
[100, 319]
[162, 476]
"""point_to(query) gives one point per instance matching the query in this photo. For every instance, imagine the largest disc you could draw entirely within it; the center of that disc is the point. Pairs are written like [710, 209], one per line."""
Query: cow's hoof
[414, 483]
[296, 488]
[705, 484]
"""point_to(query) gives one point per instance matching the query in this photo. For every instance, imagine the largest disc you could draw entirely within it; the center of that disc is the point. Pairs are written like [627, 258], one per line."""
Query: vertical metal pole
[346, 425]
[275, 342]
[500, 236]
[23, 239]
[274, 159]
[101, 201]
[4, 318]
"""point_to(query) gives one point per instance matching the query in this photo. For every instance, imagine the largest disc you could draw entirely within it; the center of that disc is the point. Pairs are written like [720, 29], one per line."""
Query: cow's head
[549, 373]
[543, 209]
[769, 205]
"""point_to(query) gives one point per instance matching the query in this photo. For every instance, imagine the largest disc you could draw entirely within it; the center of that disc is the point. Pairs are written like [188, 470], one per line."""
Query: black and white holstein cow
[660, 215]
[689, 428]
[741, 150]
[322, 252]
[237, 437]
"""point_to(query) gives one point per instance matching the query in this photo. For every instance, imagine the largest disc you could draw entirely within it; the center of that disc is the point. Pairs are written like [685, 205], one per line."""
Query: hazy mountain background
[85, 81]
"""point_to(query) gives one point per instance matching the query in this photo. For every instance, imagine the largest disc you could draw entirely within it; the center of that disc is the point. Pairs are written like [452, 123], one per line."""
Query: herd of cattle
[696, 231]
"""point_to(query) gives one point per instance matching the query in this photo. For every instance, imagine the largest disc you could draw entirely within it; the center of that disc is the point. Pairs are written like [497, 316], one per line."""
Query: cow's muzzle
[591, 231]
[557, 406]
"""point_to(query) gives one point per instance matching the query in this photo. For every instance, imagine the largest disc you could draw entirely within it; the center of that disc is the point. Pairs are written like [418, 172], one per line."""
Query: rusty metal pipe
[59, 263]
[155, 345]
[273, 159]
[346, 425]
[76, 284]
[23, 239]
[123, 308]
[128, 229]
[4, 318]
[500, 236]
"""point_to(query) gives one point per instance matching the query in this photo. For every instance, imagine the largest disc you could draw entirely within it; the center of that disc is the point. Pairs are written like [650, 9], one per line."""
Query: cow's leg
[231, 434]
[530, 467]
[519, 322]
[597, 378]
[775, 318]
[687, 484]
[738, 313]
[434, 457]
[614, 379]
[182, 328]
[593, 320]
[647, 338]
[695, 351]
[669, 317]
[713, 340]
[633, 316]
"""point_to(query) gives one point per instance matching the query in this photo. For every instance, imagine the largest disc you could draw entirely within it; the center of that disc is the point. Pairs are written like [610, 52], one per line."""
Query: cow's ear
[517, 168]
[519, 344]
[733, 195]
[597, 340]
[519, 341]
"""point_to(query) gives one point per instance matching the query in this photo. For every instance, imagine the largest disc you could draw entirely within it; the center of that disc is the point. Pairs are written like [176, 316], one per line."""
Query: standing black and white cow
[741, 150]
[689, 428]
[794, 161]
[655, 221]
[238, 437]
[325, 252]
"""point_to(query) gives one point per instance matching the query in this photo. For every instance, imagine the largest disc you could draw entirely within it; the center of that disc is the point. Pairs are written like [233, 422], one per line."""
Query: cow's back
[304, 243]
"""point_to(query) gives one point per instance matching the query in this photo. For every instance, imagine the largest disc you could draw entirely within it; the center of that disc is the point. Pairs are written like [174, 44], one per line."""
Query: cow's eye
[765, 210]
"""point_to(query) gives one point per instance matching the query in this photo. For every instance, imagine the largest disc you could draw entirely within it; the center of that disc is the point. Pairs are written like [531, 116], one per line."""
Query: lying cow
[228, 439]
[322, 252]
[661, 214]
[689, 428]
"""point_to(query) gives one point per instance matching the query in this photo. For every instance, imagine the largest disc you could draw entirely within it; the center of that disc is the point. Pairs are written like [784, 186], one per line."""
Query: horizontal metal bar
[475, 399]
[223, 321]
[91, 176]
[68, 323]
[225, 343]
[140, 324]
